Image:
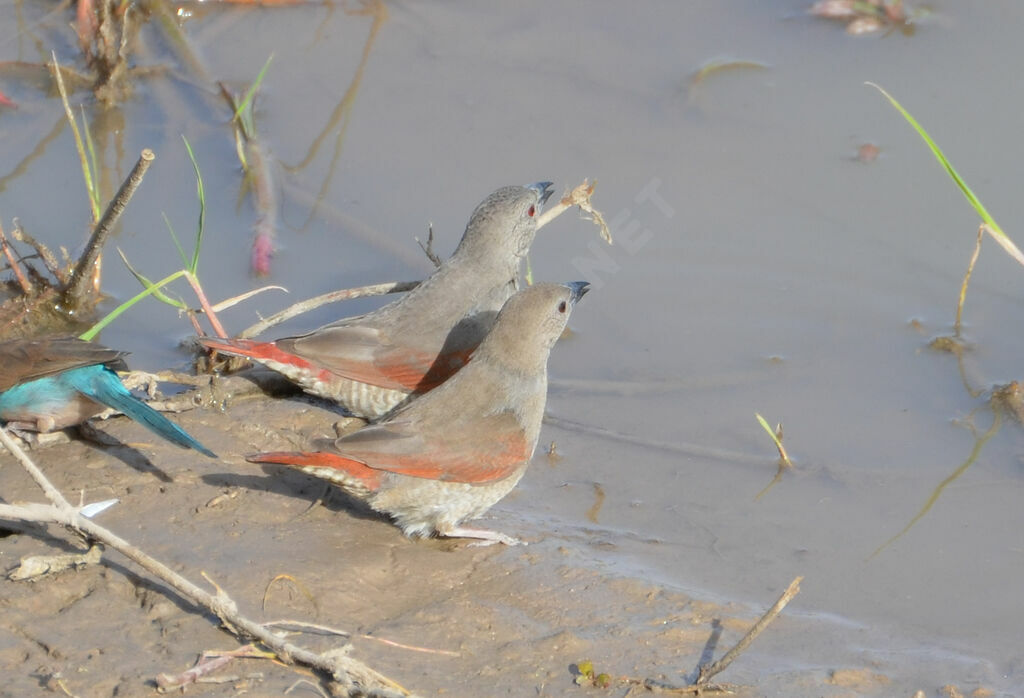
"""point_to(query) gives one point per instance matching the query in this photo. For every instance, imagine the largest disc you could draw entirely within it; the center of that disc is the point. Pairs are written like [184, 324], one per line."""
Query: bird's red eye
[533, 210]
[561, 307]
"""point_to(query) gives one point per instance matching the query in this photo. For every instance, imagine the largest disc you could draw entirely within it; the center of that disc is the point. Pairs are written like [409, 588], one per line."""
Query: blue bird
[48, 384]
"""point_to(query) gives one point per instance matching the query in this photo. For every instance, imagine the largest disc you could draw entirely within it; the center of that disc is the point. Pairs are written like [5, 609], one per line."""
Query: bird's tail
[247, 348]
[353, 475]
[102, 385]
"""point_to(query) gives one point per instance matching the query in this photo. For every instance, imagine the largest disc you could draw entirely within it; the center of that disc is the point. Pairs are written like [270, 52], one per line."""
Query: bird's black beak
[578, 288]
[543, 189]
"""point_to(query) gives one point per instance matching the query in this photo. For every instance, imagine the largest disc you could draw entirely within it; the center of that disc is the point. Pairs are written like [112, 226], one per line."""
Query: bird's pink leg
[483, 536]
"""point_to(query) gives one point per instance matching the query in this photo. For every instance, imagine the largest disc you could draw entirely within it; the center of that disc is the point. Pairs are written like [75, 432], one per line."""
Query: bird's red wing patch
[487, 465]
[397, 368]
[400, 370]
[269, 351]
[250, 349]
[392, 367]
[417, 371]
[489, 449]
[321, 459]
[361, 353]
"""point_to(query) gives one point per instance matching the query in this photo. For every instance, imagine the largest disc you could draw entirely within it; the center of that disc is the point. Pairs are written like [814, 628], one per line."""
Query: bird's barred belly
[422, 507]
[360, 399]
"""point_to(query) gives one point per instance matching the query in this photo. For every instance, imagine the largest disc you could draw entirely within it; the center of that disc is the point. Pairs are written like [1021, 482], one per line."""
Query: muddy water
[758, 268]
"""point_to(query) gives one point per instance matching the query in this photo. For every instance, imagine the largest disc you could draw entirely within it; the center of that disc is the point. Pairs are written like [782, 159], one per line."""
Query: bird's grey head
[531, 322]
[502, 227]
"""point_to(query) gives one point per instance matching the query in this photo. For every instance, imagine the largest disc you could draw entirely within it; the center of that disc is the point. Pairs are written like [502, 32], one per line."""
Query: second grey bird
[450, 455]
[371, 363]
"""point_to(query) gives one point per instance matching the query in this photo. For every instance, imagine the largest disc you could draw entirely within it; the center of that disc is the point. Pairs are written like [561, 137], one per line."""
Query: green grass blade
[944, 161]
[83, 158]
[159, 295]
[200, 194]
[174, 236]
[251, 92]
[91, 333]
[94, 191]
[767, 428]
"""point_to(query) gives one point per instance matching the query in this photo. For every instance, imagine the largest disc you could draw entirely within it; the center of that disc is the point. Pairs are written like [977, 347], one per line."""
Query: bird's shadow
[136, 460]
[274, 385]
[288, 482]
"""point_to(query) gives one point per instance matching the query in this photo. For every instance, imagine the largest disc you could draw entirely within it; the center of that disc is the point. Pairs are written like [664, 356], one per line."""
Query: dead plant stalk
[354, 676]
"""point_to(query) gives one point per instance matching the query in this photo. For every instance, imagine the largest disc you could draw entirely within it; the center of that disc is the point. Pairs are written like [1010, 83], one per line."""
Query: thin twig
[26, 286]
[967, 280]
[332, 297]
[55, 69]
[706, 672]
[580, 196]
[302, 626]
[49, 260]
[208, 663]
[428, 249]
[205, 304]
[411, 648]
[235, 300]
[204, 666]
[52, 493]
[353, 675]
[80, 276]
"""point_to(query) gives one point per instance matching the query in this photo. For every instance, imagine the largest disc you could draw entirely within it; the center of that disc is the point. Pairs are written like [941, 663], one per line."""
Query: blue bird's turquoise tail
[102, 385]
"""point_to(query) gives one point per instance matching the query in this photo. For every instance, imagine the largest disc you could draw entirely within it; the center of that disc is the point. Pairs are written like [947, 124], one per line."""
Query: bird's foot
[25, 431]
[482, 535]
[38, 434]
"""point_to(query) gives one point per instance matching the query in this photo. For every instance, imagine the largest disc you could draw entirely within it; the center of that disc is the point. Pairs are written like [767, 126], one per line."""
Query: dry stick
[203, 667]
[332, 297]
[352, 674]
[706, 672]
[80, 276]
[23, 281]
[49, 260]
[208, 663]
[967, 279]
[79, 143]
[52, 493]
[196, 327]
[207, 308]
[303, 626]
[242, 297]
[579, 196]
[428, 249]
[411, 648]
